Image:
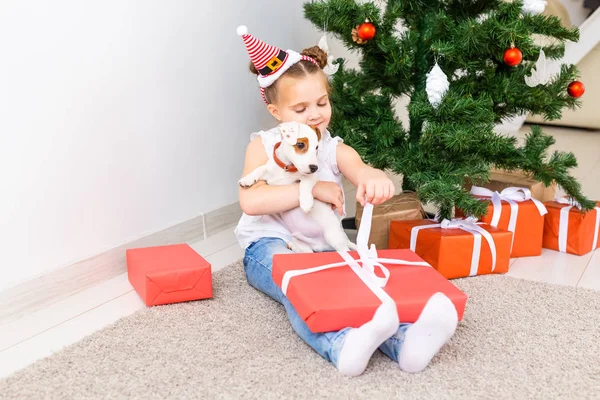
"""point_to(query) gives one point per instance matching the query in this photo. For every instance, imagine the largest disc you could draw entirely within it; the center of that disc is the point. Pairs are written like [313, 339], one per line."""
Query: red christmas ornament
[576, 89]
[513, 57]
[366, 31]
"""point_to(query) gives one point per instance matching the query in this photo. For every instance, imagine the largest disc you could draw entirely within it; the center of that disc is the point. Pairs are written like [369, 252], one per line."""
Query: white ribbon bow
[468, 225]
[512, 195]
[368, 259]
[570, 201]
[563, 224]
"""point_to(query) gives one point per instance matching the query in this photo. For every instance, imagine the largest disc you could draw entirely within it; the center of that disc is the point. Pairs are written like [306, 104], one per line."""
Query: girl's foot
[361, 343]
[435, 326]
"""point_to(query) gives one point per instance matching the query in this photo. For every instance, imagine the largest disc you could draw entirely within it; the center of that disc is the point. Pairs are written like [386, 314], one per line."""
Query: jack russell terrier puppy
[294, 160]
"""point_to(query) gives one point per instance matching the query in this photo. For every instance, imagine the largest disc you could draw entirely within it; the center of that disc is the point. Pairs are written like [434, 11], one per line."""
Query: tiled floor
[48, 330]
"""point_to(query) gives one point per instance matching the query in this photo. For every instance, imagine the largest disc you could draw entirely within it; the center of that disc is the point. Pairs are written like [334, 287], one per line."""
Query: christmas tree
[466, 66]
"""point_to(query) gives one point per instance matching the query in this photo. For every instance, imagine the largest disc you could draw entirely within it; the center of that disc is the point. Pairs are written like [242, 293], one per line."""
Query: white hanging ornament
[437, 85]
[323, 44]
[543, 71]
[534, 7]
[330, 68]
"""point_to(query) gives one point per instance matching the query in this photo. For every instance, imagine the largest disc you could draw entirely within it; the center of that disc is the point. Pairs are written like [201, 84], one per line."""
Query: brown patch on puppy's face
[317, 131]
[301, 146]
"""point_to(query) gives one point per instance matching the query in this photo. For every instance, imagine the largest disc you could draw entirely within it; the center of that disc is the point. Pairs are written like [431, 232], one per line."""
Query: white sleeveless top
[253, 228]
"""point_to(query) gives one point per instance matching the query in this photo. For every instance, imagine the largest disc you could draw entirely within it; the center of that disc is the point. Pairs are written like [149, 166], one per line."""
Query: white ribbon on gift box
[467, 225]
[368, 259]
[563, 223]
[512, 195]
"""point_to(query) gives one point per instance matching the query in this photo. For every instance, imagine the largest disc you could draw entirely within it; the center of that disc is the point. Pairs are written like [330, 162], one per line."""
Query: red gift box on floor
[457, 248]
[569, 230]
[336, 298]
[332, 297]
[169, 274]
[516, 211]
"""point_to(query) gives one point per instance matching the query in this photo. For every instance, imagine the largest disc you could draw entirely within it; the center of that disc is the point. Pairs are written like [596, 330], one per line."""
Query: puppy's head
[300, 144]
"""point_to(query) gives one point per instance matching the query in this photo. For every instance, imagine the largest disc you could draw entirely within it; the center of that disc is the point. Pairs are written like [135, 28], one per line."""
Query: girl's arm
[373, 185]
[262, 199]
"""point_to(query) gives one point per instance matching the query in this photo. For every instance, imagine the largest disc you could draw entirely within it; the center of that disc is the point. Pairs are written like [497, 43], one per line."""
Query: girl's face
[304, 100]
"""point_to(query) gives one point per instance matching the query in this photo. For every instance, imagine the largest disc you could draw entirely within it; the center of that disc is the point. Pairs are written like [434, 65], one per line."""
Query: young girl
[295, 89]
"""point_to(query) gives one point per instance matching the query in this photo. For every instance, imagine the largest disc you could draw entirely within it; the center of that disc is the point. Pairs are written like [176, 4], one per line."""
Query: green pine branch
[447, 146]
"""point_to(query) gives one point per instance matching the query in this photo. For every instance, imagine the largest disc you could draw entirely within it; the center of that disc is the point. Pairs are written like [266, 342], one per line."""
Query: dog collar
[286, 168]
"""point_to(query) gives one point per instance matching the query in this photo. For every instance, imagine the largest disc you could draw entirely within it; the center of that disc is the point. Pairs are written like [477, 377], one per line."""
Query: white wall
[121, 118]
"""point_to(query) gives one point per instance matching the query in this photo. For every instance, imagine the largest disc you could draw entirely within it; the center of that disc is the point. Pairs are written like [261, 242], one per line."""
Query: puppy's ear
[317, 131]
[289, 132]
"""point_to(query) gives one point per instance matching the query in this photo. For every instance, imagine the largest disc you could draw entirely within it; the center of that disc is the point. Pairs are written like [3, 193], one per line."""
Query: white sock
[361, 343]
[435, 326]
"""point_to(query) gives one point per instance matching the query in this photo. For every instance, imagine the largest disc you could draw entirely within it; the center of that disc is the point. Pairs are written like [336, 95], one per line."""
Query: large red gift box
[169, 274]
[336, 298]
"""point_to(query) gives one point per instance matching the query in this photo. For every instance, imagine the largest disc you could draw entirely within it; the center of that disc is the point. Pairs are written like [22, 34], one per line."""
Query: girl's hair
[298, 70]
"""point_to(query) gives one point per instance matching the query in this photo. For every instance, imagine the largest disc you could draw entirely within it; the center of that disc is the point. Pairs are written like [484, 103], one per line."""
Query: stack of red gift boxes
[516, 225]
[422, 256]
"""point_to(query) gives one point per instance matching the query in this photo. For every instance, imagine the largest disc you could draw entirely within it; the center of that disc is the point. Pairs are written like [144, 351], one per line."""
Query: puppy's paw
[247, 181]
[306, 203]
[298, 247]
[337, 238]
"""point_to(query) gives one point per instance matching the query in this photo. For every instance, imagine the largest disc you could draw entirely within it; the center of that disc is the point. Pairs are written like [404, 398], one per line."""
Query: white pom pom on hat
[270, 61]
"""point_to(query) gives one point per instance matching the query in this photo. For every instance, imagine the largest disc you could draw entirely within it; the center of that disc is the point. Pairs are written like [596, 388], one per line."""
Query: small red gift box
[515, 210]
[169, 274]
[336, 298]
[569, 230]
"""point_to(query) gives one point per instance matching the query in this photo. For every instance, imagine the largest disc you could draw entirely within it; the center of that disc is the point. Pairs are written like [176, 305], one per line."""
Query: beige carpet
[518, 340]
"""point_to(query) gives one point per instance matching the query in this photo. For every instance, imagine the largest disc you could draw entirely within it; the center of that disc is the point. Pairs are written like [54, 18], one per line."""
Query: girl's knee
[258, 265]
[261, 252]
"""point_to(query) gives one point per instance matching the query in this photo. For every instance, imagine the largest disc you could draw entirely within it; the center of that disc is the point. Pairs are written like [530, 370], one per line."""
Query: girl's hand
[374, 187]
[329, 192]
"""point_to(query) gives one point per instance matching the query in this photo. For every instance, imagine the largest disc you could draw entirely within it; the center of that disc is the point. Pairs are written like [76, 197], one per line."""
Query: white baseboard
[61, 283]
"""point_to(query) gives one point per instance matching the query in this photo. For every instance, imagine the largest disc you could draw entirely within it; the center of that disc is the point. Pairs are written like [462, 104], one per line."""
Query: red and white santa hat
[270, 61]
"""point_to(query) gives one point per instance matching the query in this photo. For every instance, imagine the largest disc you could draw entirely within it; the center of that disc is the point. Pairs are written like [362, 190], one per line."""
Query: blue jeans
[258, 265]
